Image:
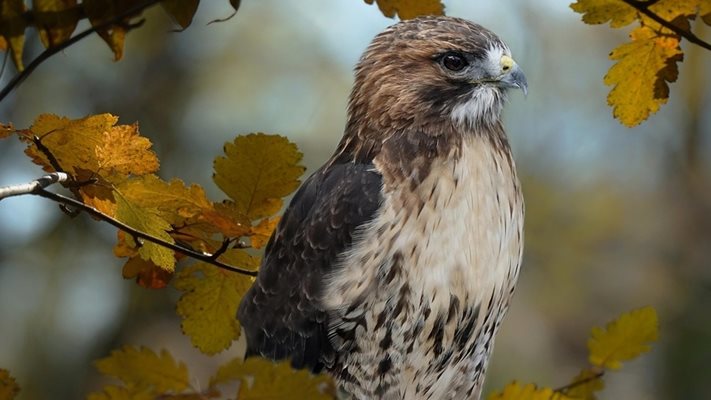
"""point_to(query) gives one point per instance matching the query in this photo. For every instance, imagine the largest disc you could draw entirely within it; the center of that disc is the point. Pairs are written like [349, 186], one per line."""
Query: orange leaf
[263, 231]
[8, 387]
[146, 273]
[407, 9]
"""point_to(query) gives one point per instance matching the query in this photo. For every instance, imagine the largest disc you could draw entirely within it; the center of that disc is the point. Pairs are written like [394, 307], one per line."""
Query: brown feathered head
[429, 73]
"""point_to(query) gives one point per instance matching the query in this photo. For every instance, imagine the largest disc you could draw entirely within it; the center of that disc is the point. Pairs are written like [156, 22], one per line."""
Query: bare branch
[34, 186]
[49, 52]
[599, 374]
[37, 187]
[643, 7]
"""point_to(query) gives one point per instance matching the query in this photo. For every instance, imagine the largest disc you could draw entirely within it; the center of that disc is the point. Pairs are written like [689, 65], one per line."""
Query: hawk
[395, 262]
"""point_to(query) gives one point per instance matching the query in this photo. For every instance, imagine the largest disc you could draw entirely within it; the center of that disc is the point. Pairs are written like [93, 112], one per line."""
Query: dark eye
[454, 61]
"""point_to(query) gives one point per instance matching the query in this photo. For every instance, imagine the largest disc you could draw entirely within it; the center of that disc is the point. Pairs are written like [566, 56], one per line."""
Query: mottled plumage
[394, 264]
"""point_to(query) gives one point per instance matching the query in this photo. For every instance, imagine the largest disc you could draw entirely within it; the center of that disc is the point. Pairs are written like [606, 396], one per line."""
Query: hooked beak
[515, 79]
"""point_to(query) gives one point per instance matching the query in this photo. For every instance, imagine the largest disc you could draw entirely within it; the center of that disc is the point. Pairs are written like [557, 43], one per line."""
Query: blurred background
[616, 218]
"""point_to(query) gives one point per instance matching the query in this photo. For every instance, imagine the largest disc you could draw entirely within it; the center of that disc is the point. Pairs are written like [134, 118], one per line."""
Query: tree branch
[597, 375]
[643, 7]
[37, 187]
[49, 52]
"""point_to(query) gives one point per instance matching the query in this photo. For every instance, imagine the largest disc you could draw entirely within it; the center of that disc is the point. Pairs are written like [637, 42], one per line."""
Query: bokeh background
[616, 218]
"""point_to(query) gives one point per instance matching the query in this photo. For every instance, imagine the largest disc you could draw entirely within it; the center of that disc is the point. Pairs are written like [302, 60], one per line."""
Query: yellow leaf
[8, 387]
[123, 393]
[705, 11]
[640, 75]
[263, 231]
[100, 11]
[182, 11]
[173, 200]
[586, 384]
[92, 144]
[408, 9]
[600, 11]
[624, 338]
[257, 171]
[141, 367]
[146, 273]
[146, 220]
[517, 391]
[227, 219]
[209, 304]
[263, 379]
[122, 151]
[55, 19]
[13, 28]
[6, 130]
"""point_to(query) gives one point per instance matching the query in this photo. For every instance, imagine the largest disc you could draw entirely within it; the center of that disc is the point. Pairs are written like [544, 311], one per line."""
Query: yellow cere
[506, 63]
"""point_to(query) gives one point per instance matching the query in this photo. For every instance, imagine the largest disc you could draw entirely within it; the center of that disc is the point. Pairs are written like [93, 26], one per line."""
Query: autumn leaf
[173, 200]
[263, 379]
[601, 11]
[228, 219]
[209, 304]
[147, 274]
[147, 221]
[263, 231]
[517, 391]
[705, 11]
[640, 75]
[112, 392]
[100, 12]
[408, 9]
[586, 384]
[182, 11]
[56, 20]
[141, 367]
[624, 338]
[8, 387]
[257, 171]
[6, 130]
[122, 151]
[92, 144]
[13, 28]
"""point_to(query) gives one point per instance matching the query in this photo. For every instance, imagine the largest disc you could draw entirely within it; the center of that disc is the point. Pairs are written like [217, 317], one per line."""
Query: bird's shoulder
[281, 313]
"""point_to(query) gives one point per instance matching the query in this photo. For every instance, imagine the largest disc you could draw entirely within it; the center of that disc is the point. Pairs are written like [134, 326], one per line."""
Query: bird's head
[431, 72]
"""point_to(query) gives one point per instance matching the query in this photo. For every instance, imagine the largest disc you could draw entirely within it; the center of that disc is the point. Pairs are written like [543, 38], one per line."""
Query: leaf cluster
[649, 62]
[623, 339]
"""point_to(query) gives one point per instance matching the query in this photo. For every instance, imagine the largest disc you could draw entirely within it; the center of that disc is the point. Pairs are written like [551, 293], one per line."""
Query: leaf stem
[37, 187]
[643, 7]
[599, 374]
[49, 52]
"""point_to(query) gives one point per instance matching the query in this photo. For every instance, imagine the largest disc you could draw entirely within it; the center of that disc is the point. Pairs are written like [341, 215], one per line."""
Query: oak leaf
[257, 171]
[640, 75]
[141, 367]
[173, 200]
[13, 29]
[705, 11]
[408, 9]
[146, 273]
[209, 304]
[517, 391]
[147, 221]
[8, 387]
[263, 379]
[91, 144]
[263, 231]
[601, 11]
[182, 11]
[55, 19]
[624, 338]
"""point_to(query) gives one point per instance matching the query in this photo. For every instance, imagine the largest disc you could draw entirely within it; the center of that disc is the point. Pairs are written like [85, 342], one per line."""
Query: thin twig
[37, 187]
[643, 7]
[581, 382]
[20, 77]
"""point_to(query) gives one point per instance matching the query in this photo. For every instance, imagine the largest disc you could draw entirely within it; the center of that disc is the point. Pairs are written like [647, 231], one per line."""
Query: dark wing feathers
[280, 313]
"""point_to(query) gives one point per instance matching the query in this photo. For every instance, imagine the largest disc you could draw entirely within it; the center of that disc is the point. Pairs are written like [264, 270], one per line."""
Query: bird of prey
[395, 262]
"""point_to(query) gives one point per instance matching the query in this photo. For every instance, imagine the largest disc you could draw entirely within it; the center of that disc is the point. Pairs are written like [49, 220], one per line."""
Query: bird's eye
[454, 61]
